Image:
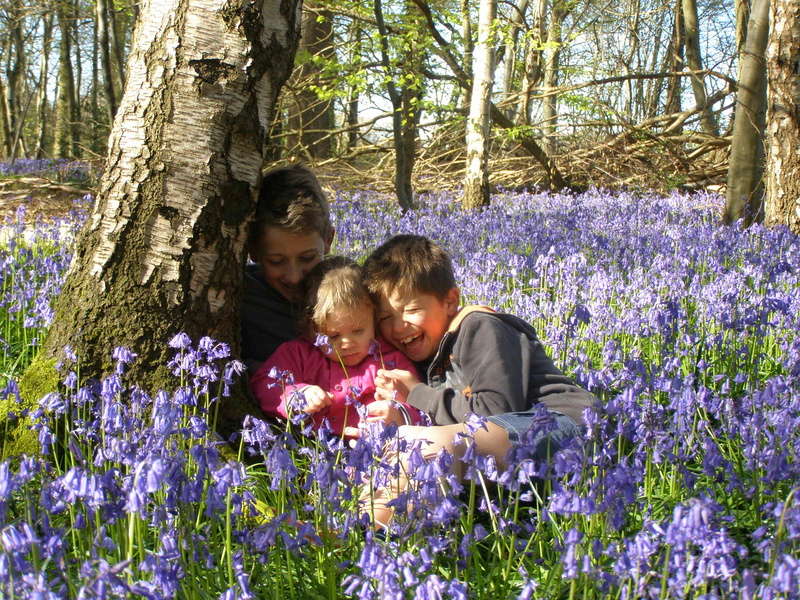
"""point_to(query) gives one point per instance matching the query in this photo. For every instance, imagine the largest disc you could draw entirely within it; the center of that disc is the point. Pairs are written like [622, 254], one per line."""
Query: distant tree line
[549, 93]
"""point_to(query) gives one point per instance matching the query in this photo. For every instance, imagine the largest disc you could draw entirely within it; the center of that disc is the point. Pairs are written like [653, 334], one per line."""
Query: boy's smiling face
[415, 322]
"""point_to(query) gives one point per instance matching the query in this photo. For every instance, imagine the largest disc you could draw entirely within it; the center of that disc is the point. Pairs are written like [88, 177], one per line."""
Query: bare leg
[492, 441]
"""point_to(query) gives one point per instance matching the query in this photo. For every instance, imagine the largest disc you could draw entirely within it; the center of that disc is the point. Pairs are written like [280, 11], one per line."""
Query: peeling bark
[783, 116]
[163, 251]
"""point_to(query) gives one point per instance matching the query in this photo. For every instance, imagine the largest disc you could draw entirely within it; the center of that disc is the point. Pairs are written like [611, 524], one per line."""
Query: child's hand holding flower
[394, 384]
[316, 399]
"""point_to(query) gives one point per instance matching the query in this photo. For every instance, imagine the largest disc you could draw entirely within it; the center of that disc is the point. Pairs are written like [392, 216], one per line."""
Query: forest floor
[41, 197]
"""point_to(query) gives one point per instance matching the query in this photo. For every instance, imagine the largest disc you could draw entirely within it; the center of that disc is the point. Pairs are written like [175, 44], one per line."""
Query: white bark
[476, 184]
[783, 116]
[164, 248]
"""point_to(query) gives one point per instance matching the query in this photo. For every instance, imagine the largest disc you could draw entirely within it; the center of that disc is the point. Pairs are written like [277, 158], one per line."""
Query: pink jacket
[309, 366]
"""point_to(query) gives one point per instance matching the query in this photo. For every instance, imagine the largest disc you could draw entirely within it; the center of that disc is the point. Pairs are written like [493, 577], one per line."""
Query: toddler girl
[331, 369]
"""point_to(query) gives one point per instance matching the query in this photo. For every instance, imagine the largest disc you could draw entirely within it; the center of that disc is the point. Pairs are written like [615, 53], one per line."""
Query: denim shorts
[549, 437]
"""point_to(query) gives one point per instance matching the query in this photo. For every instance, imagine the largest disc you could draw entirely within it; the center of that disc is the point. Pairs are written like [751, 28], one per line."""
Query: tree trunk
[41, 103]
[695, 62]
[550, 79]
[5, 124]
[510, 52]
[77, 68]
[311, 116]
[783, 116]
[16, 76]
[353, 93]
[66, 136]
[404, 117]
[117, 41]
[532, 73]
[745, 193]
[476, 182]
[164, 249]
[674, 62]
[104, 41]
[469, 49]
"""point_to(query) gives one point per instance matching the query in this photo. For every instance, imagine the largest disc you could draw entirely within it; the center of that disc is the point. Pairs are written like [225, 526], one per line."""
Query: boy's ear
[451, 301]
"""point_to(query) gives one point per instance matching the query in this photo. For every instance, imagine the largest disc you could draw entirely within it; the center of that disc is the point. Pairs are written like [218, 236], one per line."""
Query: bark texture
[476, 181]
[163, 250]
[783, 116]
[745, 193]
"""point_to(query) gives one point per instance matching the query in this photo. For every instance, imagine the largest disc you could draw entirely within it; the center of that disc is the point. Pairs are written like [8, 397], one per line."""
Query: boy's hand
[384, 411]
[394, 384]
[316, 399]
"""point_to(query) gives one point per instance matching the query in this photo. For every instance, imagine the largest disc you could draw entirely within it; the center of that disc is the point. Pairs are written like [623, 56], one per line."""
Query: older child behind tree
[333, 366]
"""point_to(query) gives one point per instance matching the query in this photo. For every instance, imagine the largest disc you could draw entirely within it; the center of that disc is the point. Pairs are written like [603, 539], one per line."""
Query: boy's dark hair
[292, 199]
[335, 283]
[409, 263]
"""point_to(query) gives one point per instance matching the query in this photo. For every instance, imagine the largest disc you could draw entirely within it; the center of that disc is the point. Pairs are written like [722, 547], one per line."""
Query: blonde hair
[334, 284]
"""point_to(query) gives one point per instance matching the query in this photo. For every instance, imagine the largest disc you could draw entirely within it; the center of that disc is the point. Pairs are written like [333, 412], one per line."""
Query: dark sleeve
[489, 374]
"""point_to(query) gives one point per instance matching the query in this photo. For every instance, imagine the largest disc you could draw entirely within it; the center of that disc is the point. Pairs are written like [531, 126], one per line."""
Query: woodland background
[631, 94]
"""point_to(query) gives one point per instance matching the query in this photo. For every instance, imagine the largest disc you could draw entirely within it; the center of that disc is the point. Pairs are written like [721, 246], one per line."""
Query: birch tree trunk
[783, 116]
[476, 181]
[745, 193]
[695, 62]
[163, 251]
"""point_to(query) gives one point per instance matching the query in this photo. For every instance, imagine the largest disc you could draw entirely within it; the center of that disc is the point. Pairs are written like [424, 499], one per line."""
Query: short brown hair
[292, 199]
[335, 283]
[409, 263]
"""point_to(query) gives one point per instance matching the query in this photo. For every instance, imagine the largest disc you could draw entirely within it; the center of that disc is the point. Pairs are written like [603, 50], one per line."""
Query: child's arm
[392, 385]
[491, 365]
[280, 376]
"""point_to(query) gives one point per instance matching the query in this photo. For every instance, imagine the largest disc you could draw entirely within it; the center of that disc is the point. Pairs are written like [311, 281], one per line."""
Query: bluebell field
[685, 485]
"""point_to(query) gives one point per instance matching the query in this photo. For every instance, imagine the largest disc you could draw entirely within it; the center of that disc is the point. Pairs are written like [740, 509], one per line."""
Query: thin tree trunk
[44, 65]
[783, 116]
[66, 136]
[5, 122]
[117, 43]
[675, 62]
[404, 152]
[469, 48]
[164, 249]
[77, 68]
[476, 182]
[532, 73]
[694, 60]
[745, 193]
[16, 75]
[352, 91]
[550, 79]
[311, 117]
[510, 53]
[104, 41]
